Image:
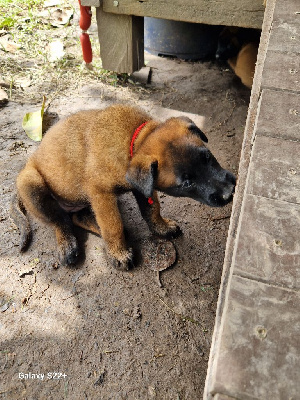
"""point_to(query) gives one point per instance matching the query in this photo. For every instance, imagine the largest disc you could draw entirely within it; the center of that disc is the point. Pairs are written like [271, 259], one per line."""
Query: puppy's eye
[186, 181]
[206, 156]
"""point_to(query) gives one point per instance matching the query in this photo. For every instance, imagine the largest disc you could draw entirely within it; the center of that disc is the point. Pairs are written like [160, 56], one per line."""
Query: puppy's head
[228, 44]
[173, 159]
[232, 39]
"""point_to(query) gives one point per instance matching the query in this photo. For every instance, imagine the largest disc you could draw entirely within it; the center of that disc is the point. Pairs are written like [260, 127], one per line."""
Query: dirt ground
[95, 332]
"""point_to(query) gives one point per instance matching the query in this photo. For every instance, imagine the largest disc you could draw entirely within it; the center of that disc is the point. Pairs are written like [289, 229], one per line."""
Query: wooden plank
[243, 13]
[259, 354]
[90, 3]
[279, 114]
[267, 247]
[285, 33]
[288, 10]
[281, 71]
[274, 169]
[121, 40]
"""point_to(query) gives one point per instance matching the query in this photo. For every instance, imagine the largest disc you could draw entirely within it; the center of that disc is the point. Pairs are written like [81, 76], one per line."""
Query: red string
[135, 135]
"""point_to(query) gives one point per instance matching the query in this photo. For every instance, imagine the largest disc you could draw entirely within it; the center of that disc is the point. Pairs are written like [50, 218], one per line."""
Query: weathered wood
[274, 169]
[243, 13]
[121, 41]
[279, 114]
[268, 245]
[260, 339]
[282, 71]
[90, 3]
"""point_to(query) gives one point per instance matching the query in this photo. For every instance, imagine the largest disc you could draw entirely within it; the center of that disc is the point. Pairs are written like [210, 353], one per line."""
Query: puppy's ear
[142, 173]
[194, 129]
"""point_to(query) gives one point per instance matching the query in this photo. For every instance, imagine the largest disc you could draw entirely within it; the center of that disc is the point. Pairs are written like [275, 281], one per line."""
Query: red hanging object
[86, 48]
[85, 17]
[85, 23]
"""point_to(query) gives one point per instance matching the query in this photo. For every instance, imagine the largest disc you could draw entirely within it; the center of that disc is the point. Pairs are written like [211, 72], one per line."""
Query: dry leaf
[9, 45]
[56, 50]
[33, 123]
[61, 17]
[158, 254]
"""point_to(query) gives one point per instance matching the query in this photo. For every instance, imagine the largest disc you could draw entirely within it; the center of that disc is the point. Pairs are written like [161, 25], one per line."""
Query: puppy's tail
[18, 214]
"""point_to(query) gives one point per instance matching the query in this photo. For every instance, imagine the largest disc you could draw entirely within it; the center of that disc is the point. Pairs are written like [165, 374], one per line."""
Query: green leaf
[6, 22]
[33, 123]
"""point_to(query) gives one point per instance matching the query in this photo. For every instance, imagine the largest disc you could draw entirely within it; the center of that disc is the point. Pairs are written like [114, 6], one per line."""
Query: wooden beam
[90, 3]
[121, 40]
[243, 13]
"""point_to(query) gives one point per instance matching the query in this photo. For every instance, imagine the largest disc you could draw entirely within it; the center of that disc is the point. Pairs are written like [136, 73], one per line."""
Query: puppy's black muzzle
[200, 177]
[216, 191]
[223, 192]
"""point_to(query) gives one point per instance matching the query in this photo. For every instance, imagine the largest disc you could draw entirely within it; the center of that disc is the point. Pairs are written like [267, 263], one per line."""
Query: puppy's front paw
[68, 251]
[123, 260]
[167, 228]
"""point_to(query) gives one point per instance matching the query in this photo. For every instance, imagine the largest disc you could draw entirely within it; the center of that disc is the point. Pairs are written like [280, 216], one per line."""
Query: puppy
[239, 47]
[87, 159]
[244, 63]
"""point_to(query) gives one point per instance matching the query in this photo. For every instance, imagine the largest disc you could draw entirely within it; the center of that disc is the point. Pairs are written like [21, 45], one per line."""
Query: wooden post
[121, 40]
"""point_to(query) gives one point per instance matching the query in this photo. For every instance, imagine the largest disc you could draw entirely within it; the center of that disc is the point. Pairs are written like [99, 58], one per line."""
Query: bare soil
[109, 334]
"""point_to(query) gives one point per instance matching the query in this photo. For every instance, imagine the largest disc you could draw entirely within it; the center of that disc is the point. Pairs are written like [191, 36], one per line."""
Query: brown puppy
[244, 63]
[239, 47]
[87, 159]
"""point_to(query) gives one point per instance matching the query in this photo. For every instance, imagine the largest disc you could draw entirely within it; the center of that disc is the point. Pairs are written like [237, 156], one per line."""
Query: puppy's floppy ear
[194, 129]
[142, 173]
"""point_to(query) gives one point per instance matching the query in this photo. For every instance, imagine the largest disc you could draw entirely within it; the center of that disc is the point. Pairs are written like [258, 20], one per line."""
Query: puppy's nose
[228, 192]
[230, 178]
[230, 185]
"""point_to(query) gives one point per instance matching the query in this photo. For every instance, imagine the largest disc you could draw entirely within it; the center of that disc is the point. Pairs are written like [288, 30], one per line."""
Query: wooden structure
[121, 23]
[255, 345]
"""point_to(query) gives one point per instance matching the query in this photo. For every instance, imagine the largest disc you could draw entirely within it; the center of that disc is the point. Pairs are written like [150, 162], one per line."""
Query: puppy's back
[244, 64]
[84, 144]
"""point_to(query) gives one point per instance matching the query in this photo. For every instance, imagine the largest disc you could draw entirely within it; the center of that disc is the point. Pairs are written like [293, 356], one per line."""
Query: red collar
[135, 135]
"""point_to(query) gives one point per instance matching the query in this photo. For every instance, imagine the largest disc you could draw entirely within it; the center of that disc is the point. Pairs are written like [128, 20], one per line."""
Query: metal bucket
[184, 40]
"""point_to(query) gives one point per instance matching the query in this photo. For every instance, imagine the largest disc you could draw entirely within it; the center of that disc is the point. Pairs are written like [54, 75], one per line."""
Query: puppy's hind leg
[38, 201]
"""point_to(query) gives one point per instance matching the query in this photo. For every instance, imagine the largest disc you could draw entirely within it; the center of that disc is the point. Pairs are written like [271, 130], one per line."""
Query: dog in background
[239, 47]
[87, 159]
